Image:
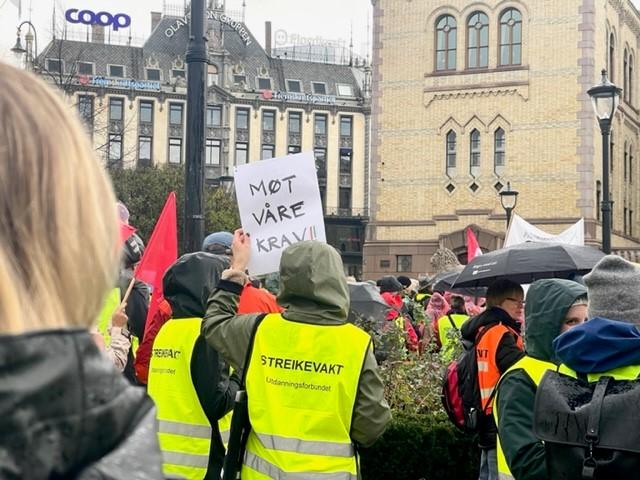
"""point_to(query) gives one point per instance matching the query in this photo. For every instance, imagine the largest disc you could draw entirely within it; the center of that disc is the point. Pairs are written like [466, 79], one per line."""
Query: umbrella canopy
[367, 301]
[527, 262]
[443, 282]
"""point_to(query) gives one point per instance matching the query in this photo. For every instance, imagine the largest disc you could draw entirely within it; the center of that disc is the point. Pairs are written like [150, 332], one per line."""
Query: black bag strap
[453, 324]
[592, 436]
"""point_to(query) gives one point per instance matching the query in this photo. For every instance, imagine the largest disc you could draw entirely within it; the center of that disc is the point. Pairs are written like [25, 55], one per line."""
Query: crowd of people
[92, 388]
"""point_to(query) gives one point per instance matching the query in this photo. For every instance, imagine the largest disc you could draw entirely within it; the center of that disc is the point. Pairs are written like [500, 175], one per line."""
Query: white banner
[521, 231]
[279, 203]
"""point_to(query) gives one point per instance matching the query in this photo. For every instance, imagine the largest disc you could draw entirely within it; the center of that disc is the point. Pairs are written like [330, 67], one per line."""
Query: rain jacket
[66, 412]
[313, 290]
[545, 310]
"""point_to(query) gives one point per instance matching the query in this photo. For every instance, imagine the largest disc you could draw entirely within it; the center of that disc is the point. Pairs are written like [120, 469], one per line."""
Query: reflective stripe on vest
[111, 303]
[184, 431]
[535, 369]
[444, 333]
[302, 383]
[488, 372]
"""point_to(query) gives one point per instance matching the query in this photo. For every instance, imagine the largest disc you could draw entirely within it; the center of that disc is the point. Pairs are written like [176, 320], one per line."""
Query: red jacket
[394, 300]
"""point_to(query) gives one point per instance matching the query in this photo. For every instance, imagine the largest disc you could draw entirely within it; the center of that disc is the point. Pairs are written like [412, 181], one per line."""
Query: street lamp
[509, 200]
[19, 50]
[605, 98]
[226, 183]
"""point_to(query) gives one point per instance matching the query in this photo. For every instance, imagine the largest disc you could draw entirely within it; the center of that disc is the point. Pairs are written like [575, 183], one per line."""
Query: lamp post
[605, 98]
[226, 183]
[19, 50]
[509, 200]
[194, 171]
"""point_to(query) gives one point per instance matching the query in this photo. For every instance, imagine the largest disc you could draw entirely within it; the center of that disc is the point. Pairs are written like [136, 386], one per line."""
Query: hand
[119, 318]
[241, 248]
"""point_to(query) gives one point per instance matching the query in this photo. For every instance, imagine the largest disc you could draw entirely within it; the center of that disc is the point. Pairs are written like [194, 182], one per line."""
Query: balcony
[355, 213]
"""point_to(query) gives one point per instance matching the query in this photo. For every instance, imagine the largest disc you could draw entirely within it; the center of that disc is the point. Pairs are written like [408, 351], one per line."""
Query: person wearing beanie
[553, 306]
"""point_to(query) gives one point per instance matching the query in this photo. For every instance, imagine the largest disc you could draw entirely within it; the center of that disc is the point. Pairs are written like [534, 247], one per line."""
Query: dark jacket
[136, 310]
[547, 304]
[65, 412]
[507, 353]
[187, 286]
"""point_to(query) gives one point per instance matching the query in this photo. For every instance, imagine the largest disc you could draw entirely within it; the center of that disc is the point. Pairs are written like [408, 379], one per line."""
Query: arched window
[510, 37]
[631, 163]
[612, 56]
[611, 151]
[212, 75]
[446, 43]
[498, 148]
[598, 198]
[626, 157]
[625, 73]
[630, 82]
[477, 40]
[451, 150]
[474, 149]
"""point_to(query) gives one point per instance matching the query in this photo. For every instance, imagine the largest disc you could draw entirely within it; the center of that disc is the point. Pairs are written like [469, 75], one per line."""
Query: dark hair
[457, 304]
[502, 289]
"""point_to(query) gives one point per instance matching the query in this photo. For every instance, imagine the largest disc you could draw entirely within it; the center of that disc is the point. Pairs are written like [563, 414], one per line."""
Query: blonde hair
[58, 223]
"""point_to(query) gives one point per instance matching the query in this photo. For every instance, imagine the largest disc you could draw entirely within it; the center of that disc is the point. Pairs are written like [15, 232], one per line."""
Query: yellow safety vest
[421, 296]
[184, 431]
[535, 369]
[444, 329]
[630, 372]
[301, 384]
[110, 305]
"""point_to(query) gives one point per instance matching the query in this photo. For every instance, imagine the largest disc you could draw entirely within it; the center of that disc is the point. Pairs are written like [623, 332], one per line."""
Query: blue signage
[104, 19]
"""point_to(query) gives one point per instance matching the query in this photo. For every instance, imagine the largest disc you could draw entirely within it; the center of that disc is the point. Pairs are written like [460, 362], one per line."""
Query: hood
[490, 316]
[394, 300]
[188, 283]
[313, 287]
[64, 409]
[437, 307]
[599, 345]
[545, 310]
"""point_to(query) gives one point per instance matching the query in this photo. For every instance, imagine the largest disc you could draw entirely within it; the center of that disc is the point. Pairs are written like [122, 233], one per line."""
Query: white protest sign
[279, 203]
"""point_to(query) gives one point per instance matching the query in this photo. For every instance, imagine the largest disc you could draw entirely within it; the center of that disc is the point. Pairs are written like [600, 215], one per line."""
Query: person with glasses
[496, 336]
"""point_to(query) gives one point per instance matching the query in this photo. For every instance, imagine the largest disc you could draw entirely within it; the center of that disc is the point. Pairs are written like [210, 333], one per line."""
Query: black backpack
[591, 431]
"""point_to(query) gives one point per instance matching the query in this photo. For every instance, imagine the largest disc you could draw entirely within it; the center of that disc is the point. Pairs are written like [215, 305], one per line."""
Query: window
[474, 149]
[446, 43]
[631, 164]
[612, 56]
[268, 151]
[319, 88]
[625, 75]
[451, 150]
[144, 151]
[85, 108]
[54, 66]
[114, 148]
[153, 74]
[175, 114]
[178, 73]
[631, 222]
[212, 151]
[242, 118]
[478, 40]
[344, 200]
[294, 149]
[598, 199]
[345, 161]
[498, 148]
[344, 90]
[239, 79]
[624, 220]
[295, 122]
[611, 152]
[146, 112]
[212, 75]
[403, 263]
[320, 155]
[631, 84]
[175, 150]
[116, 71]
[320, 124]
[264, 83]
[116, 106]
[510, 37]
[242, 154]
[85, 68]
[294, 86]
[214, 116]
[345, 126]
[626, 157]
[268, 120]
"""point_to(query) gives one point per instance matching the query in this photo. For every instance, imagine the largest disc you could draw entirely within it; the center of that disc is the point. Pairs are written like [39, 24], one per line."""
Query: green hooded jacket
[545, 310]
[313, 289]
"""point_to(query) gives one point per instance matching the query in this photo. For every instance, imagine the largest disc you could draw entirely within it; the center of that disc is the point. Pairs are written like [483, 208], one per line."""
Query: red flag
[160, 254]
[126, 231]
[473, 248]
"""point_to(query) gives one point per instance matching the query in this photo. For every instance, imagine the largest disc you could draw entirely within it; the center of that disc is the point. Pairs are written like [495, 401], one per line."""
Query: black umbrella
[527, 262]
[443, 282]
[367, 301]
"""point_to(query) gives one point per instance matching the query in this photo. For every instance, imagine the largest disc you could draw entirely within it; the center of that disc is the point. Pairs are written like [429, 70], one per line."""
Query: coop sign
[104, 19]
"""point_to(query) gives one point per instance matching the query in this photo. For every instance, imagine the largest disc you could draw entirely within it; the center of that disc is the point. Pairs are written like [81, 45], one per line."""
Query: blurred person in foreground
[313, 388]
[65, 411]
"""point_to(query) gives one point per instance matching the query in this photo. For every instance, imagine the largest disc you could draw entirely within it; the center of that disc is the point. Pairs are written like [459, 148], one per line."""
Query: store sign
[123, 83]
[104, 19]
[212, 15]
[298, 97]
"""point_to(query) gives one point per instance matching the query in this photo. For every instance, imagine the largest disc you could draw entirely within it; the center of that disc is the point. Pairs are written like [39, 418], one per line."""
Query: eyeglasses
[515, 300]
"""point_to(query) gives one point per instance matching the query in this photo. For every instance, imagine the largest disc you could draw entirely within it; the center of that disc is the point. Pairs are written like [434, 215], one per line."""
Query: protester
[192, 389]
[391, 292]
[496, 336]
[66, 412]
[553, 307]
[119, 342]
[448, 326]
[313, 386]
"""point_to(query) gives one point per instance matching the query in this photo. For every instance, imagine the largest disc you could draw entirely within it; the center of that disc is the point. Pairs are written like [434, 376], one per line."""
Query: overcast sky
[329, 19]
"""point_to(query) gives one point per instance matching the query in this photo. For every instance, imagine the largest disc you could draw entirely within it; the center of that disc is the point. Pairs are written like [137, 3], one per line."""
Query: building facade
[471, 96]
[133, 100]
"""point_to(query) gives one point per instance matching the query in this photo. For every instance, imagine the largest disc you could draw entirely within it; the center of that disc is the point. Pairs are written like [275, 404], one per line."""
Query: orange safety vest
[488, 372]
